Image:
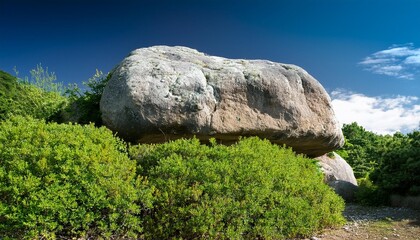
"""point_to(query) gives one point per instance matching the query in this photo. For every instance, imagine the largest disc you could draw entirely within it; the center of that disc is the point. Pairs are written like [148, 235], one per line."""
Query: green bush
[42, 79]
[362, 149]
[399, 171]
[370, 194]
[8, 90]
[63, 181]
[386, 164]
[84, 106]
[18, 98]
[252, 189]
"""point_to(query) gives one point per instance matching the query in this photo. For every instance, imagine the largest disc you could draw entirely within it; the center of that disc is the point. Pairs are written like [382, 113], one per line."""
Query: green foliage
[17, 98]
[43, 79]
[84, 107]
[8, 91]
[63, 181]
[399, 172]
[7, 82]
[252, 189]
[369, 193]
[72, 181]
[362, 149]
[386, 165]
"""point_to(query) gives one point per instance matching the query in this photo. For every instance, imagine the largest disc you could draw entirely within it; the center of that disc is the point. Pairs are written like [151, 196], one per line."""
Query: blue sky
[365, 53]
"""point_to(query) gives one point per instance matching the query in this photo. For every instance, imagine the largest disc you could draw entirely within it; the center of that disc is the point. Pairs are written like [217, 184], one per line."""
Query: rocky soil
[376, 223]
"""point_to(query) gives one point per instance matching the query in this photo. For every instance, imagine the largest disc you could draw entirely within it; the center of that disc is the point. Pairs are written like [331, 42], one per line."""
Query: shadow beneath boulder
[346, 190]
[412, 202]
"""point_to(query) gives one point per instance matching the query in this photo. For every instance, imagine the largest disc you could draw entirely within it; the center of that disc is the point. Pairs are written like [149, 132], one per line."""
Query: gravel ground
[376, 223]
[354, 213]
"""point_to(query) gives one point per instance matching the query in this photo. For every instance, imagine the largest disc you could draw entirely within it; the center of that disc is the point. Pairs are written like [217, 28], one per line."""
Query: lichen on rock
[163, 93]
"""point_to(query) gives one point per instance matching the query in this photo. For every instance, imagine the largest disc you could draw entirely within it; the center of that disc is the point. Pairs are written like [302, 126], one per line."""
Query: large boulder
[339, 175]
[163, 93]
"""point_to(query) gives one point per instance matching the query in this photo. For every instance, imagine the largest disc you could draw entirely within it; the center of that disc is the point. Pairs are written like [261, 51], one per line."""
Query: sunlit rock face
[339, 175]
[163, 93]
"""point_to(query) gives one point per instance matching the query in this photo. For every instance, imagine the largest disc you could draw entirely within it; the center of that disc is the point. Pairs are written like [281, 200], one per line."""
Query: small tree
[362, 149]
[84, 106]
[43, 79]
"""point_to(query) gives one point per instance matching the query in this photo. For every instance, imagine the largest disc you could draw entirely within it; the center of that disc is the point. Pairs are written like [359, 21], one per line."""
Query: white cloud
[393, 70]
[377, 114]
[397, 61]
[415, 59]
[396, 51]
[372, 61]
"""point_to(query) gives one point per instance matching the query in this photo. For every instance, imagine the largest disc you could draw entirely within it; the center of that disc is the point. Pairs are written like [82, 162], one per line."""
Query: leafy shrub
[399, 172]
[252, 189]
[8, 90]
[62, 181]
[386, 164]
[43, 79]
[369, 194]
[18, 98]
[84, 106]
[362, 149]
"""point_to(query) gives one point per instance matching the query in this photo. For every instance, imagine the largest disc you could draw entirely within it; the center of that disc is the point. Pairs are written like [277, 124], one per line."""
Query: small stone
[385, 238]
[315, 238]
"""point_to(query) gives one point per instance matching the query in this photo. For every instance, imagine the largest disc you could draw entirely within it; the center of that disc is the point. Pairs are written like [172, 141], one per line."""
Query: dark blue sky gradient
[326, 37]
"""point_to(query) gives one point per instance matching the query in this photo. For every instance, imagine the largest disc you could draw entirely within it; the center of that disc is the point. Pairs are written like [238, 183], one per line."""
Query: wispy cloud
[400, 61]
[377, 114]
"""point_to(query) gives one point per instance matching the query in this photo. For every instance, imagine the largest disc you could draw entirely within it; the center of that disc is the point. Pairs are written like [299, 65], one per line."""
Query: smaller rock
[315, 238]
[339, 175]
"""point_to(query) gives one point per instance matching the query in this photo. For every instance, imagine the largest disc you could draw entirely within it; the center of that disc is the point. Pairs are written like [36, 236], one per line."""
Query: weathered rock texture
[339, 175]
[163, 93]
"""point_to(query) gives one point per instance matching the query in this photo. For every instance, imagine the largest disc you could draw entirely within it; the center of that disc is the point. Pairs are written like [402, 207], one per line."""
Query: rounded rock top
[163, 93]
